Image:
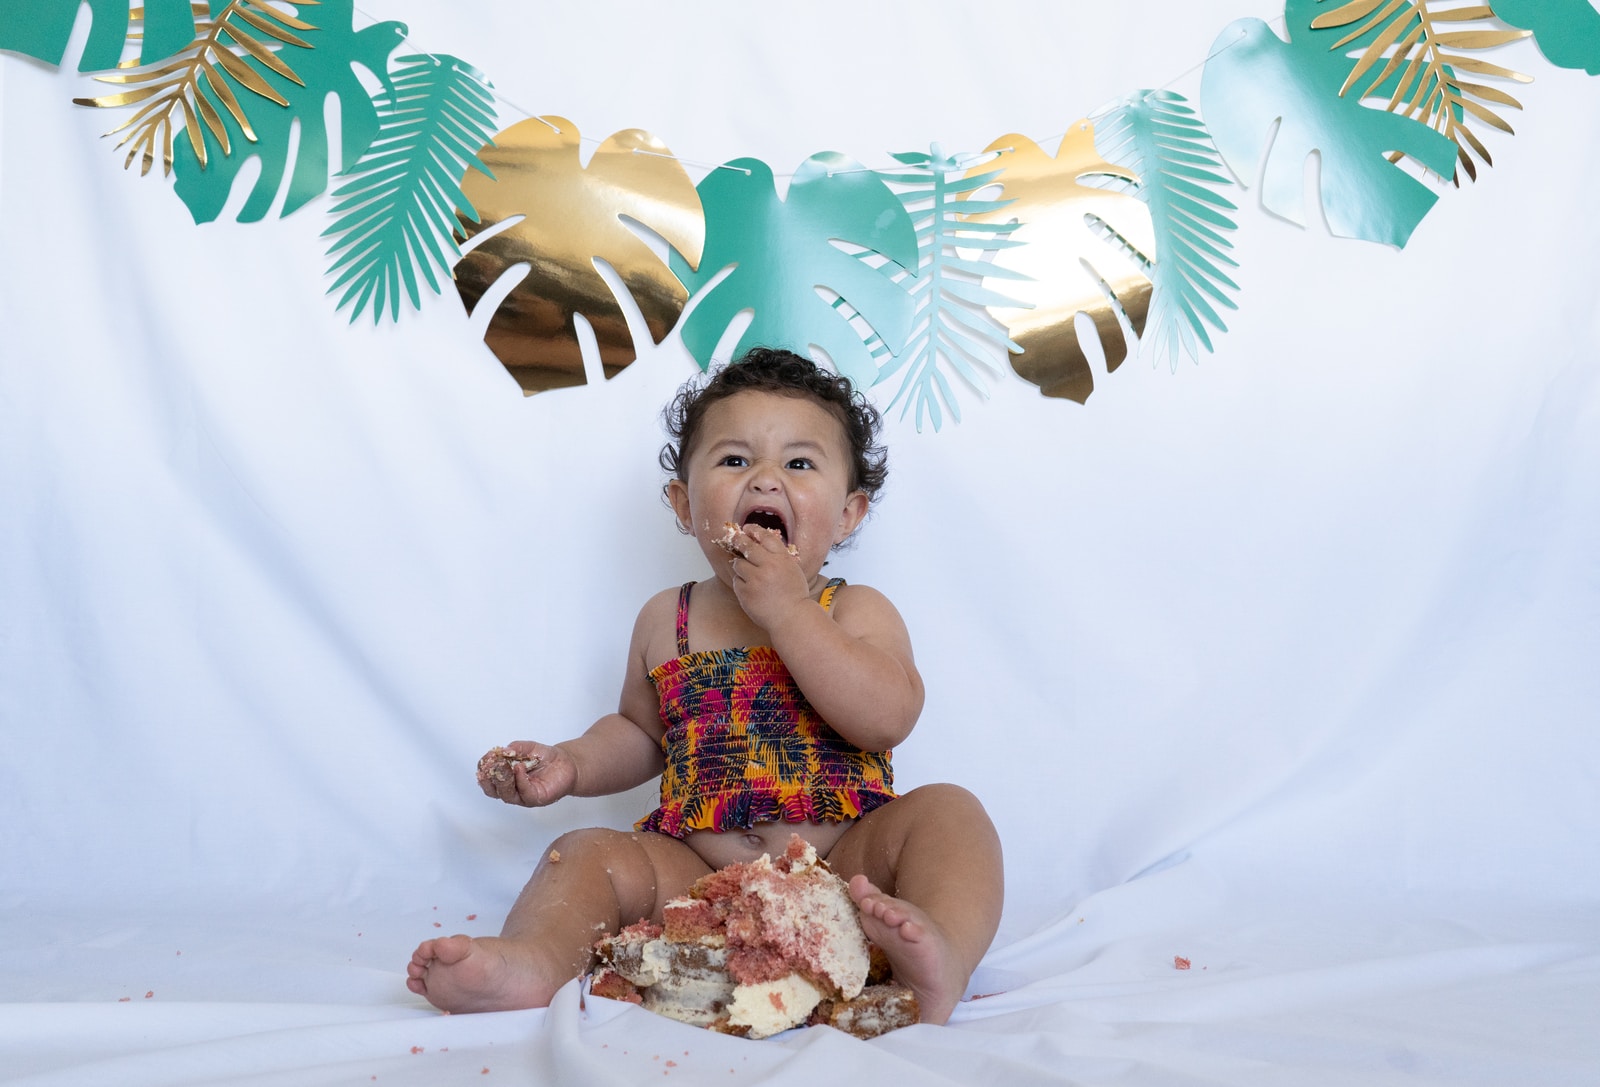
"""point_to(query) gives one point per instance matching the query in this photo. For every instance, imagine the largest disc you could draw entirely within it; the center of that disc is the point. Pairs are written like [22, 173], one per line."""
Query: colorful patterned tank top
[743, 746]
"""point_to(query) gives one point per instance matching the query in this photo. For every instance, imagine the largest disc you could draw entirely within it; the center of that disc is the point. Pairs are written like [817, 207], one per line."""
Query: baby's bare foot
[922, 957]
[468, 974]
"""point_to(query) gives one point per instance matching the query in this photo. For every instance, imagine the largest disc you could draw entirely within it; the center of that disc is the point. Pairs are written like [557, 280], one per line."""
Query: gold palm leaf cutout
[172, 87]
[1085, 250]
[1411, 49]
[562, 218]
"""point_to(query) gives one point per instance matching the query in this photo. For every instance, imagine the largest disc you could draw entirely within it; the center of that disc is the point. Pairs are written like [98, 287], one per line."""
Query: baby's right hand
[527, 773]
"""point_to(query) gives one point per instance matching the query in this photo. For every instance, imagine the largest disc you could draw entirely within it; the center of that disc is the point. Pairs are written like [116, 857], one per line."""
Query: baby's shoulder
[853, 601]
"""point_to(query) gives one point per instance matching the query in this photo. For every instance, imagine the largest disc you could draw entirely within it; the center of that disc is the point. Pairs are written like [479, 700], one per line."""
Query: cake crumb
[555, 856]
[1180, 963]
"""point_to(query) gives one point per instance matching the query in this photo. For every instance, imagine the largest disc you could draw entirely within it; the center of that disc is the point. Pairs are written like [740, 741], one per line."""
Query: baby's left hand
[767, 577]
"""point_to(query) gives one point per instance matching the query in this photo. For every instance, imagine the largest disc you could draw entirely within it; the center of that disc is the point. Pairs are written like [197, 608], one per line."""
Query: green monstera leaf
[1407, 55]
[397, 213]
[321, 68]
[1567, 32]
[782, 250]
[42, 28]
[951, 330]
[1255, 80]
[1157, 136]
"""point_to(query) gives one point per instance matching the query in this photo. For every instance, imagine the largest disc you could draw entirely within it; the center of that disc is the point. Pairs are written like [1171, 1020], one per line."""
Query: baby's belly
[722, 848]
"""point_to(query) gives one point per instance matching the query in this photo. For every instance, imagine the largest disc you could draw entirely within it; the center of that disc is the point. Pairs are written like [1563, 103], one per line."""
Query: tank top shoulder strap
[826, 599]
[683, 618]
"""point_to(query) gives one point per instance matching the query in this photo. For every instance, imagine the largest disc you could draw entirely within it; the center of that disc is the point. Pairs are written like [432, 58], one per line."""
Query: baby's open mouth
[769, 520]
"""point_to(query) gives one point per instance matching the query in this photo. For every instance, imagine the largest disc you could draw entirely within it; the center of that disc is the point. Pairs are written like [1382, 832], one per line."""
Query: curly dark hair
[774, 370]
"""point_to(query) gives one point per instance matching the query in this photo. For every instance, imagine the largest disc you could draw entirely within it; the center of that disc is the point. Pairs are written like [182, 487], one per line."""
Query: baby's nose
[765, 476]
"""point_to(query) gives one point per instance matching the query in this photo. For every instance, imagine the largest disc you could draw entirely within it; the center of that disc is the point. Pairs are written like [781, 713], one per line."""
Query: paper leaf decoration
[43, 28]
[1404, 59]
[782, 250]
[951, 329]
[1567, 32]
[1255, 80]
[1159, 138]
[171, 92]
[397, 213]
[557, 218]
[321, 68]
[1082, 248]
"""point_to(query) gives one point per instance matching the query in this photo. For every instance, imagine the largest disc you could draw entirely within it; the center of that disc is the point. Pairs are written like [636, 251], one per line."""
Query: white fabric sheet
[1283, 663]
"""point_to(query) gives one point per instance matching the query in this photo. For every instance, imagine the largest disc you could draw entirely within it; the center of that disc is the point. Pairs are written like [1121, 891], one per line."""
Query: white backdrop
[1283, 662]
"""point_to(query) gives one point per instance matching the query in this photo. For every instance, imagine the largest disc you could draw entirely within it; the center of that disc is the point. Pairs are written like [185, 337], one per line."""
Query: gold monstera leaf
[544, 210]
[1083, 248]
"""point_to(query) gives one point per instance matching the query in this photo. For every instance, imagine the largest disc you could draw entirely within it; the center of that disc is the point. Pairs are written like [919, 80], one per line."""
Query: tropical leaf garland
[781, 252]
[1567, 32]
[165, 26]
[838, 263]
[182, 88]
[399, 207]
[325, 67]
[1157, 136]
[950, 326]
[1405, 55]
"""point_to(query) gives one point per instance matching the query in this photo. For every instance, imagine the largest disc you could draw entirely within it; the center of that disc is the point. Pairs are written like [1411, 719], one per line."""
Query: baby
[767, 697]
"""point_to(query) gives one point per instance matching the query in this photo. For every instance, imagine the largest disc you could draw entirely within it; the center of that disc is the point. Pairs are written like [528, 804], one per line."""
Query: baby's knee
[593, 845]
[945, 797]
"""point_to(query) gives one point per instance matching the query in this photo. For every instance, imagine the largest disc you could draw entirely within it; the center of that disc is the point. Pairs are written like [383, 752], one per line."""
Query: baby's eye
[800, 463]
[733, 460]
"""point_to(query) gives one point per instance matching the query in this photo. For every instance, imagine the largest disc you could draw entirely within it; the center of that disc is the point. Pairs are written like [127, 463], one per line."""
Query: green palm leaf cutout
[1157, 136]
[1404, 57]
[1567, 32]
[782, 250]
[951, 329]
[172, 92]
[322, 67]
[397, 213]
[1255, 80]
[43, 28]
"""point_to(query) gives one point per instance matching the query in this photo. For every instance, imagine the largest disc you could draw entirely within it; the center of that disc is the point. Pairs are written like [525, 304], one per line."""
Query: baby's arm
[616, 753]
[854, 666]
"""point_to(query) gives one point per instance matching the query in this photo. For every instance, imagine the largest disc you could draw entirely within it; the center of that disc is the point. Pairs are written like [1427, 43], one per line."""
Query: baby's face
[773, 460]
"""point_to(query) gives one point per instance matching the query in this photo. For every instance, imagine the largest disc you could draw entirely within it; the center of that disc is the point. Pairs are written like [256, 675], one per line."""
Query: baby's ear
[677, 493]
[854, 512]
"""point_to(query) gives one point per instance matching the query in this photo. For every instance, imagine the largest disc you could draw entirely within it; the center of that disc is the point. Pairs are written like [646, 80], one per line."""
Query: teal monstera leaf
[951, 330]
[397, 212]
[1157, 136]
[1255, 80]
[42, 28]
[323, 67]
[1567, 32]
[782, 250]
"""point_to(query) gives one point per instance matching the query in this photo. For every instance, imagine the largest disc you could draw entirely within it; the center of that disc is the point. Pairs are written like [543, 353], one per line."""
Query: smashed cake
[754, 949]
[499, 766]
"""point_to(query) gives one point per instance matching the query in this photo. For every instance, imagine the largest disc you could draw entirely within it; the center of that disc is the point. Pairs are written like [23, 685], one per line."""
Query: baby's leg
[926, 873]
[589, 882]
